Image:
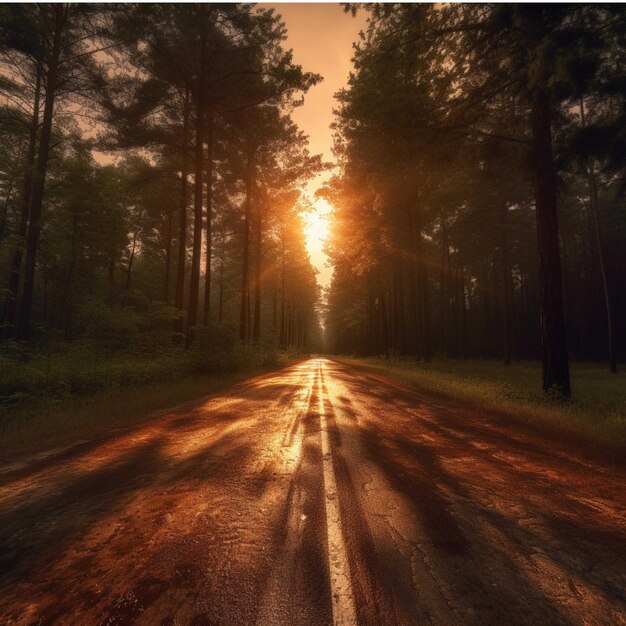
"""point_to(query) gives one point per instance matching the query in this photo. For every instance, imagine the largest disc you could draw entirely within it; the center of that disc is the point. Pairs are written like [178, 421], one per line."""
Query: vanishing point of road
[315, 495]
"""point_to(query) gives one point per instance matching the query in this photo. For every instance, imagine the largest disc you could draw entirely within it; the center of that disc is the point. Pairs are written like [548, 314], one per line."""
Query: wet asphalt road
[315, 495]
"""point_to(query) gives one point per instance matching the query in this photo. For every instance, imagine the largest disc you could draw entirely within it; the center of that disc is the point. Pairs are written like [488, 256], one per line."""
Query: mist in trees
[480, 204]
[151, 176]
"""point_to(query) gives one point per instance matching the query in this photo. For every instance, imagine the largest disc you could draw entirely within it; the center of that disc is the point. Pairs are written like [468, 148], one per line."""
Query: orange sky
[321, 36]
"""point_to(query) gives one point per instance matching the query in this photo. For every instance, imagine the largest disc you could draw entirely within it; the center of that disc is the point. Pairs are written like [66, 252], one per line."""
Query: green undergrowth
[52, 399]
[596, 412]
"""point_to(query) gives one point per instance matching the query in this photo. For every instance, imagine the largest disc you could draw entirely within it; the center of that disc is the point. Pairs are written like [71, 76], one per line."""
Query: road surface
[314, 495]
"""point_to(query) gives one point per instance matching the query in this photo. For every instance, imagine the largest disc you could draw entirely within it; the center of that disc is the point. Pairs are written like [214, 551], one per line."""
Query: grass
[53, 415]
[596, 413]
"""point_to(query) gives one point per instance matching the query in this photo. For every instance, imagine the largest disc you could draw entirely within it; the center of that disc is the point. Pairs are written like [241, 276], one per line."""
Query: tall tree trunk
[393, 319]
[486, 309]
[111, 276]
[256, 328]
[449, 301]
[442, 281]
[455, 313]
[384, 322]
[168, 257]
[593, 185]
[592, 291]
[70, 270]
[245, 269]
[131, 258]
[194, 284]
[423, 295]
[462, 298]
[220, 309]
[593, 198]
[523, 324]
[284, 328]
[9, 313]
[209, 220]
[274, 313]
[45, 300]
[414, 332]
[7, 200]
[39, 183]
[555, 360]
[182, 218]
[400, 312]
[281, 342]
[507, 282]
[426, 342]
[249, 325]
[368, 330]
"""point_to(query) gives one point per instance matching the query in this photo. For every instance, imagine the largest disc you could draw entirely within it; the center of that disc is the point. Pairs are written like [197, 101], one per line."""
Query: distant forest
[150, 176]
[480, 206]
[151, 181]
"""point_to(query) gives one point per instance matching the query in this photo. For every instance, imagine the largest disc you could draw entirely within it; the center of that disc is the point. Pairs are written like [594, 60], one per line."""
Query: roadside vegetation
[596, 413]
[68, 393]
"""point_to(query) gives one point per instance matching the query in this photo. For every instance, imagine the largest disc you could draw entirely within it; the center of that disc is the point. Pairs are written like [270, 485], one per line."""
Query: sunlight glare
[316, 226]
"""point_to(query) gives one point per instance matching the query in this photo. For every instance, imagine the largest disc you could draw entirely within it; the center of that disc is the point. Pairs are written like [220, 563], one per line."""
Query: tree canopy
[461, 126]
[150, 164]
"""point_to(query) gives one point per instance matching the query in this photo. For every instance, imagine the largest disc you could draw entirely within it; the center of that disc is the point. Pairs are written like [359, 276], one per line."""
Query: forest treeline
[150, 176]
[480, 204]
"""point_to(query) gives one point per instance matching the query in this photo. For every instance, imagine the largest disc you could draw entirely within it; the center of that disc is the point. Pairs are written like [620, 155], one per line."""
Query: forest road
[315, 495]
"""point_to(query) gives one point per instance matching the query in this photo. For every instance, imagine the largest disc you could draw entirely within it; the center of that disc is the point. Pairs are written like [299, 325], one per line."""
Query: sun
[316, 225]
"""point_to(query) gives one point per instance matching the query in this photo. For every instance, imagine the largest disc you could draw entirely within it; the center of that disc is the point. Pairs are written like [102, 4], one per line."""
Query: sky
[321, 37]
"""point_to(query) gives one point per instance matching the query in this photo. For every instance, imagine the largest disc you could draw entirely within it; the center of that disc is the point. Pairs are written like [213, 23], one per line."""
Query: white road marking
[344, 611]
